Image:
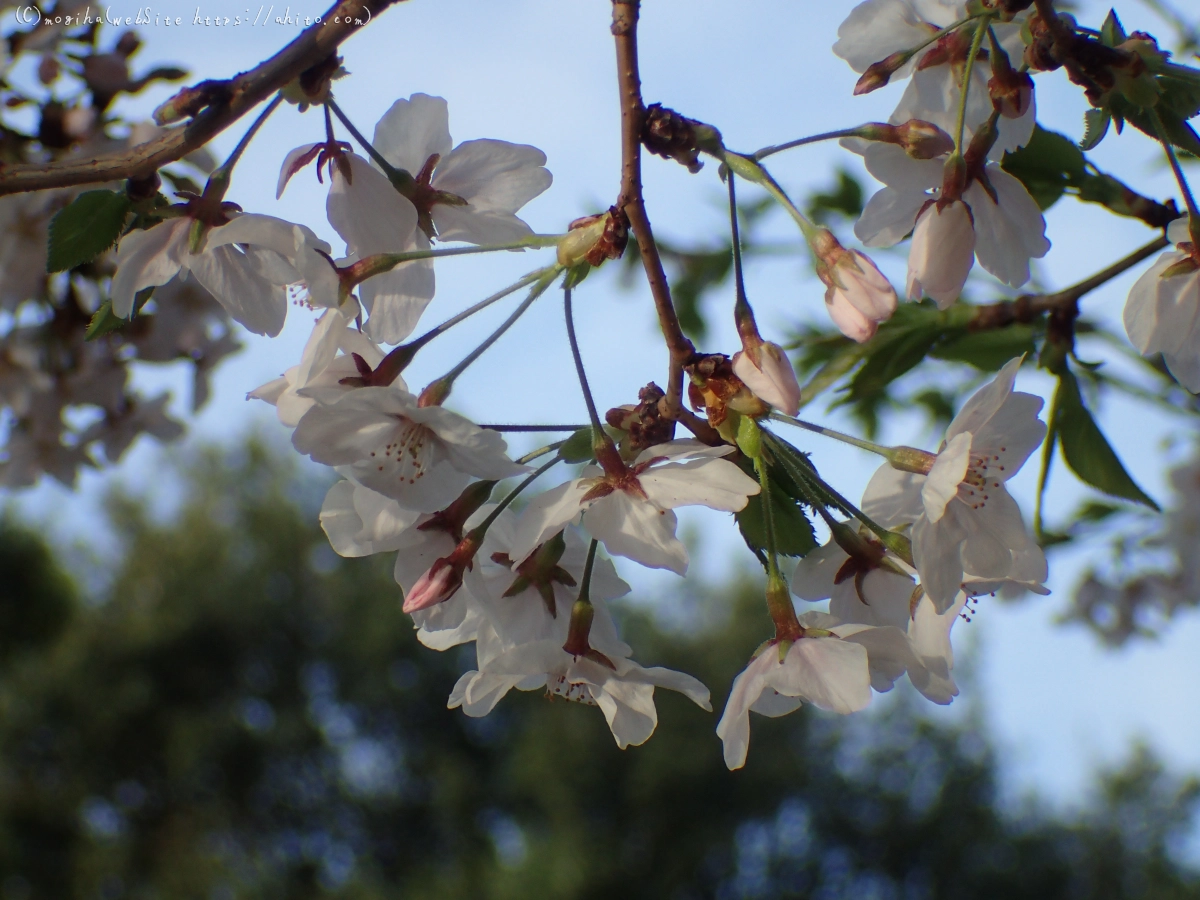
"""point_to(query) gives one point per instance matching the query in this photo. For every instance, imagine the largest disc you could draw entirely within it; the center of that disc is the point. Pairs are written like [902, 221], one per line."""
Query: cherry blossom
[632, 514]
[876, 29]
[246, 264]
[826, 671]
[857, 295]
[422, 457]
[1003, 232]
[321, 368]
[865, 591]
[623, 689]
[1162, 313]
[373, 217]
[964, 521]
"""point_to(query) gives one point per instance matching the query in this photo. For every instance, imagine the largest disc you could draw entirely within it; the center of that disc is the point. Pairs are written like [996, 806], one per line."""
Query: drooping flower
[964, 521]
[877, 30]
[245, 263]
[995, 220]
[422, 457]
[373, 217]
[857, 295]
[827, 671]
[862, 590]
[631, 514]
[321, 368]
[623, 689]
[1162, 313]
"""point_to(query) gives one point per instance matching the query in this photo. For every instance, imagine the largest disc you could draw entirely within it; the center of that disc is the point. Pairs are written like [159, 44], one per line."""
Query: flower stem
[540, 451]
[812, 139]
[533, 428]
[398, 177]
[218, 181]
[807, 478]
[524, 281]
[1189, 200]
[593, 416]
[379, 263]
[968, 74]
[743, 315]
[836, 435]
[481, 529]
[446, 382]
[585, 583]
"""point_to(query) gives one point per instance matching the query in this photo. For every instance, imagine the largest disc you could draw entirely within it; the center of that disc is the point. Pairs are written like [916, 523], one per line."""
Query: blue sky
[542, 72]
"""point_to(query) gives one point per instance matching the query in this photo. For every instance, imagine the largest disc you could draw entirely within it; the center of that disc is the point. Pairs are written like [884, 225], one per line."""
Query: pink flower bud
[923, 140]
[942, 252]
[436, 586]
[770, 376]
[857, 295]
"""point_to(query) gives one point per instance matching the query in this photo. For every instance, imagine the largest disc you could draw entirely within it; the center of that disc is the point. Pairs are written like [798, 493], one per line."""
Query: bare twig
[1026, 308]
[633, 110]
[238, 96]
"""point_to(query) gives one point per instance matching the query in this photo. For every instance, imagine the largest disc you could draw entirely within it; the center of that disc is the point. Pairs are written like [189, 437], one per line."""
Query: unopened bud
[1012, 94]
[910, 459]
[593, 239]
[444, 577]
[767, 371]
[857, 295]
[880, 73]
[923, 140]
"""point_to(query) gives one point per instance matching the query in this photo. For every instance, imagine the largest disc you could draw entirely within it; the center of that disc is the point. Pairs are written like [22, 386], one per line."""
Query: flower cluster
[530, 583]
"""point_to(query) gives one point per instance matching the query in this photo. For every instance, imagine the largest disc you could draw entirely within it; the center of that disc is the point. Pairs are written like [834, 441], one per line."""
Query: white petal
[813, 578]
[889, 216]
[547, 514]
[715, 483]
[1007, 234]
[986, 401]
[892, 497]
[937, 553]
[876, 29]
[238, 280]
[828, 672]
[413, 130]
[637, 529]
[949, 469]
[942, 253]
[734, 727]
[147, 259]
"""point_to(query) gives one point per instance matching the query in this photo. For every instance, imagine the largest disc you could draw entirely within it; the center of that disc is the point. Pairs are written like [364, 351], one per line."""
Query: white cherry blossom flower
[1162, 314]
[870, 594]
[876, 29]
[361, 522]
[828, 672]
[321, 368]
[495, 178]
[964, 521]
[633, 516]
[373, 217]
[422, 457]
[246, 264]
[1003, 233]
[624, 692]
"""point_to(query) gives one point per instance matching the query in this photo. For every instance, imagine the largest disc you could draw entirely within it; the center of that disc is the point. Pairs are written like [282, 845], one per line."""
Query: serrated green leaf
[987, 350]
[1111, 32]
[104, 321]
[1086, 449]
[892, 359]
[1095, 127]
[86, 228]
[794, 534]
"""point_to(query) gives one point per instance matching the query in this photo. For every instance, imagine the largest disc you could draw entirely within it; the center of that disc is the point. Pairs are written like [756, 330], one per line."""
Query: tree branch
[633, 110]
[240, 94]
[1027, 308]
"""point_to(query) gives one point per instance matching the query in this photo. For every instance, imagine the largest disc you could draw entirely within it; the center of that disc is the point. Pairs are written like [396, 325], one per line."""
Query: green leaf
[892, 359]
[1095, 127]
[578, 447]
[1111, 32]
[104, 321]
[86, 228]
[794, 534]
[1085, 447]
[988, 350]
[1047, 165]
[846, 198]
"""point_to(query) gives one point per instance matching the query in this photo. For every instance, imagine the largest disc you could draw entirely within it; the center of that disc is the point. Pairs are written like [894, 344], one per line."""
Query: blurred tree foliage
[246, 715]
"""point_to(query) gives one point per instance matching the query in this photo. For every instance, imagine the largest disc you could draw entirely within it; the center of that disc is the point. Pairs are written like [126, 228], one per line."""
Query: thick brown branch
[1027, 308]
[633, 111]
[243, 92]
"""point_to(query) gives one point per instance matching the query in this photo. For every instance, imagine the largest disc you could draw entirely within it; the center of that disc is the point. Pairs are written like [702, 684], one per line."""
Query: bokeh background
[214, 705]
